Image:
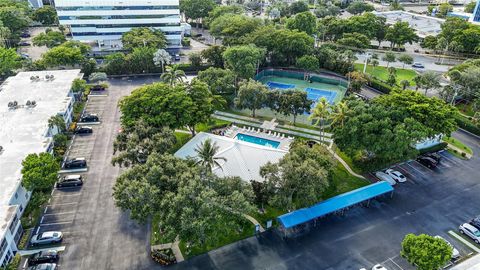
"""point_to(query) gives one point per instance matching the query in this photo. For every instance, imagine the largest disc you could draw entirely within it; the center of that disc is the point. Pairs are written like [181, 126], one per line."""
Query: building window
[3, 247]
[21, 208]
[13, 225]
[16, 195]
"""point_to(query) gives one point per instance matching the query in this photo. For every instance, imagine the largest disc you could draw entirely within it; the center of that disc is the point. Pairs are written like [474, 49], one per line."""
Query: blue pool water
[276, 85]
[257, 140]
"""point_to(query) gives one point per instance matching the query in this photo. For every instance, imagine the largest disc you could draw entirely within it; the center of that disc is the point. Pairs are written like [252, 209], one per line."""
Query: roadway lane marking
[463, 240]
[64, 213]
[56, 223]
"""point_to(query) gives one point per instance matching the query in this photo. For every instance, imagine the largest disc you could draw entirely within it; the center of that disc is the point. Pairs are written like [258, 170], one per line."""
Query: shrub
[464, 154]
[381, 86]
[186, 42]
[466, 124]
[14, 264]
[163, 257]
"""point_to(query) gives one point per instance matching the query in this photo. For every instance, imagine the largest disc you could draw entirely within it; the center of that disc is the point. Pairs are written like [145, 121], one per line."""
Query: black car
[24, 43]
[89, 118]
[84, 130]
[25, 35]
[427, 162]
[73, 180]
[75, 163]
[475, 222]
[47, 256]
[434, 156]
[97, 87]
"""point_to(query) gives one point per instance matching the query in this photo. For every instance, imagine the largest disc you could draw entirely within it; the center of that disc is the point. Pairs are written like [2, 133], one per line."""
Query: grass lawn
[348, 160]
[458, 144]
[343, 181]
[465, 109]
[182, 138]
[226, 236]
[213, 123]
[381, 73]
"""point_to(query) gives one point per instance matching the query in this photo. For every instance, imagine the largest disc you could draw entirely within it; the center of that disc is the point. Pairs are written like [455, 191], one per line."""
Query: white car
[379, 267]
[470, 231]
[396, 175]
[455, 253]
[385, 177]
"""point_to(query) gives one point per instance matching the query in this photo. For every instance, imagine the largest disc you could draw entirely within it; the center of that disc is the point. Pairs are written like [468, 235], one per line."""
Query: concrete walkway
[453, 147]
[255, 222]
[174, 247]
[337, 157]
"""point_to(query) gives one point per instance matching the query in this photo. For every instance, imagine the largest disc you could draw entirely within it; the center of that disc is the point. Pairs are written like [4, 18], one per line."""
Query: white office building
[26, 104]
[104, 21]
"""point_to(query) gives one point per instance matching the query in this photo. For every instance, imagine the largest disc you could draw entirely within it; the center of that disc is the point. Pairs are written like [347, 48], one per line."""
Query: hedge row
[434, 148]
[466, 123]
[381, 86]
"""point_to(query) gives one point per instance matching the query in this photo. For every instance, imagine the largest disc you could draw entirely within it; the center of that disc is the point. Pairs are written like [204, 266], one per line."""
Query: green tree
[294, 102]
[355, 40]
[453, 27]
[219, 81]
[405, 59]
[173, 75]
[392, 76]
[135, 144]
[304, 22]
[57, 122]
[300, 177]
[232, 28]
[429, 80]
[39, 171]
[308, 62]
[158, 104]
[468, 8]
[252, 95]
[207, 155]
[429, 42]
[140, 60]
[196, 9]
[14, 18]
[339, 113]
[89, 66]
[116, 64]
[324, 11]
[298, 7]
[357, 80]
[358, 7]
[144, 37]
[162, 58]
[223, 10]
[78, 85]
[405, 84]
[400, 33]
[97, 77]
[244, 60]
[389, 57]
[320, 113]
[425, 251]
[443, 10]
[47, 15]
[213, 55]
[70, 53]
[203, 104]
[49, 39]
[9, 61]
[195, 59]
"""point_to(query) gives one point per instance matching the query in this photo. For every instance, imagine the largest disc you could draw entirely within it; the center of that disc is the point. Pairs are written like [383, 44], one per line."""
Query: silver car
[46, 238]
[44, 266]
[455, 253]
[470, 231]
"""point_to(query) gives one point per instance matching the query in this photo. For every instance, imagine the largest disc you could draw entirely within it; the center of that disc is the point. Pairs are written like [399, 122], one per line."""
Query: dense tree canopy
[303, 22]
[231, 28]
[425, 251]
[223, 10]
[244, 60]
[220, 81]
[39, 171]
[47, 15]
[49, 39]
[251, 95]
[358, 7]
[213, 55]
[196, 9]
[70, 53]
[144, 37]
[400, 33]
[9, 61]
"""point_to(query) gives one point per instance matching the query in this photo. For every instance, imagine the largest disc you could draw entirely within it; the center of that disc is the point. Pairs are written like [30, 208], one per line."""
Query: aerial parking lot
[431, 201]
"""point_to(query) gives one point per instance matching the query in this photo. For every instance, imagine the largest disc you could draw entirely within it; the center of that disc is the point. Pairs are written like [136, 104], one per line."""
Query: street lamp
[367, 56]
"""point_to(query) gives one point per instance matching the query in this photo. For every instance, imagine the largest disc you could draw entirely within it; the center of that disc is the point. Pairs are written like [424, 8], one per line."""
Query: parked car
[379, 267]
[434, 156]
[90, 117]
[385, 177]
[44, 266]
[177, 57]
[25, 35]
[25, 55]
[418, 65]
[396, 175]
[24, 43]
[470, 231]
[72, 180]
[97, 87]
[475, 222]
[46, 256]
[427, 162]
[455, 253]
[46, 238]
[84, 130]
[75, 163]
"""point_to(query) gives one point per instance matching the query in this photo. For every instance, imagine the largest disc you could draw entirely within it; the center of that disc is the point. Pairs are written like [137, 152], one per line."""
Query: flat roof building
[423, 25]
[105, 21]
[26, 104]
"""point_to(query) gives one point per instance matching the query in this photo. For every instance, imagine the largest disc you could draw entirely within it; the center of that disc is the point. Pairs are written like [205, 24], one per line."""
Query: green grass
[156, 237]
[343, 181]
[458, 144]
[225, 236]
[381, 73]
[348, 160]
[212, 124]
[182, 138]
[271, 213]
[466, 109]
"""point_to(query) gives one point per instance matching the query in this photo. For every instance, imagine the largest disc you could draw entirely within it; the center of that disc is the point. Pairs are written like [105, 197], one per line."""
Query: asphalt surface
[98, 235]
[431, 201]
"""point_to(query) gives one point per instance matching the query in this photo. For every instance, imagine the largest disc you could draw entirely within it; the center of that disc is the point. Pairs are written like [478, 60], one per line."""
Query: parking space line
[461, 239]
[64, 213]
[417, 170]
[395, 263]
[56, 223]
[60, 204]
[66, 195]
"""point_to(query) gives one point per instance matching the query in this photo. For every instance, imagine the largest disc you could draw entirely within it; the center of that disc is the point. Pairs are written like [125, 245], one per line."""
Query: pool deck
[261, 133]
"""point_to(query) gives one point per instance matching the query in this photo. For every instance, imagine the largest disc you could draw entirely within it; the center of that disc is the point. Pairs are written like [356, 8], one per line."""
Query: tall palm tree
[58, 122]
[320, 113]
[173, 75]
[339, 114]
[207, 152]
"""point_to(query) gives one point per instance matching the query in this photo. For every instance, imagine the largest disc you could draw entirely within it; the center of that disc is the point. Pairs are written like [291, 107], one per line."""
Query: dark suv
[84, 130]
[47, 256]
[475, 222]
[89, 118]
[427, 162]
[97, 87]
[75, 163]
[434, 156]
[72, 180]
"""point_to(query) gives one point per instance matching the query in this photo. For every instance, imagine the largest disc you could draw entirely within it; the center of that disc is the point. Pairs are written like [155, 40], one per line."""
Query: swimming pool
[257, 140]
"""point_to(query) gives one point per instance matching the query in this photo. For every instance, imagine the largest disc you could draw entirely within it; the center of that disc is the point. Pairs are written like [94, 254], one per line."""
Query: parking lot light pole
[367, 56]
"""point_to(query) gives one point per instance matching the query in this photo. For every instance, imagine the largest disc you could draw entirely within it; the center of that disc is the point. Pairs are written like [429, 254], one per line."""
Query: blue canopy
[333, 204]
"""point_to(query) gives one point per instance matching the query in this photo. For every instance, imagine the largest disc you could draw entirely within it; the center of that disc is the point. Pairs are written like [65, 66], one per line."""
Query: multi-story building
[104, 21]
[27, 101]
[476, 13]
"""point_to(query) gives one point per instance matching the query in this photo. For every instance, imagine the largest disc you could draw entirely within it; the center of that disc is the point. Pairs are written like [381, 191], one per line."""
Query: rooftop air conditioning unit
[1, 149]
[12, 104]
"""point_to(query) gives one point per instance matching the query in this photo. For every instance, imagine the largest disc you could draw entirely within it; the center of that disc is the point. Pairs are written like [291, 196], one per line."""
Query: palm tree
[206, 155]
[339, 113]
[58, 122]
[173, 75]
[320, 113]
[405, 84]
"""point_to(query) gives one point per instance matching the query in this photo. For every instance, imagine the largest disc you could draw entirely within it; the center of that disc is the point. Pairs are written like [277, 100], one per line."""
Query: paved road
[97, 234]
[430, 202]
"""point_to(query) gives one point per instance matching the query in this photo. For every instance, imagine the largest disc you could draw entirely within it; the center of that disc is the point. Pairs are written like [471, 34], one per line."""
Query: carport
[292, 222]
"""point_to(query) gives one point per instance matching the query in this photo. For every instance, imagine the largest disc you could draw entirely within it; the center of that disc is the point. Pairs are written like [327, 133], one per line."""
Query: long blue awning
[333, 204]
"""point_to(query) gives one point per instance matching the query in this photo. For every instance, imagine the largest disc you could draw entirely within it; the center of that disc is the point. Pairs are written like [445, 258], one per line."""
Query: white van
[385, 177]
